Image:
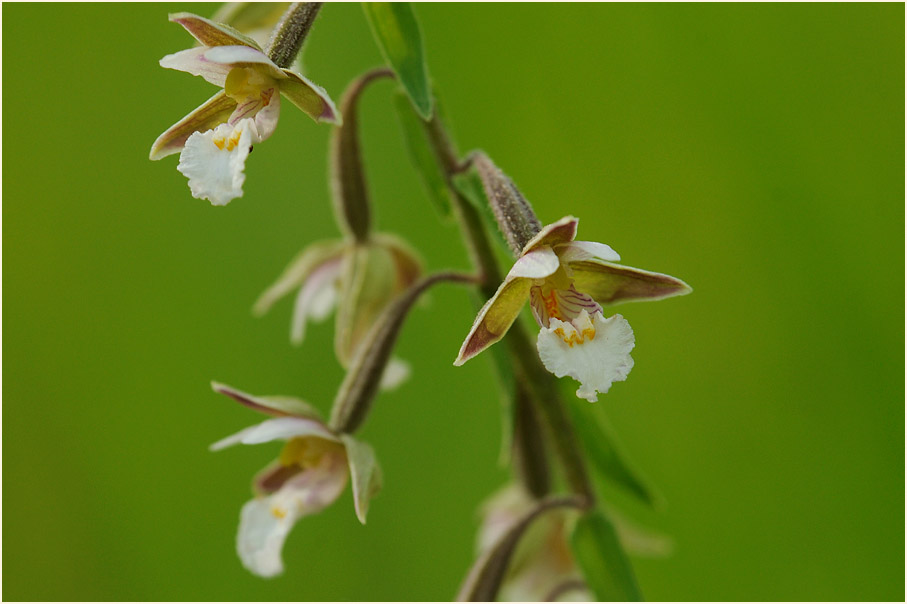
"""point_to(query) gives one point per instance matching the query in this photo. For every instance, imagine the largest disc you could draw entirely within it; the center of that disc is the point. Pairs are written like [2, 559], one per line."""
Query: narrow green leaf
[603, 452]
[605, 567]
[397, 33]
[423, 158]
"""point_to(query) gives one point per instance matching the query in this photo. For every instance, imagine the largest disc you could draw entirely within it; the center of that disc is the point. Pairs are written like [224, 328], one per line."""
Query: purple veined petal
[495, 318]
[563, 304]
[316, 299]
[263, 110]
[265, 522]
[614, 283]
[243, 56]
[193, 61]
[584, 250]
[277, 406]
[309, 97]
[536, 264]
[562, 231]
[281, 428]
[209, 115]
[209, 33]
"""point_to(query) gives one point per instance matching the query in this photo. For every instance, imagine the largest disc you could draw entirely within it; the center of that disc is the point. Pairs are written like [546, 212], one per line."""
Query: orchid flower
[567, 282]
[215, 139]
[359, 279]
[310, 474]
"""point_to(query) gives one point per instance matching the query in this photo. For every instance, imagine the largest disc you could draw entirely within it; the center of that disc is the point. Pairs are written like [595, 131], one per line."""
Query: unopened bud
[291, 31]
[515, 217]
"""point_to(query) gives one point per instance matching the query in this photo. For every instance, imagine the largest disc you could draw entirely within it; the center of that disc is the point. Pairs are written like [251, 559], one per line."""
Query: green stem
[529, 369]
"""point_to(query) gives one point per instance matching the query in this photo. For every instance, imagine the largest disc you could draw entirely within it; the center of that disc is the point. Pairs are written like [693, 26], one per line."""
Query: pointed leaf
[612, 283]
[603, 453]
[605, 567]
[365, 473]
[422, 156]
[397, 33]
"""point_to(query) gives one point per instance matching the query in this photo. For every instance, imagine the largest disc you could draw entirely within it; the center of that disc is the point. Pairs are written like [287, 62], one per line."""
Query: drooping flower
[215, 139]
[567, 282]
[310, 473]
[357, 278]
[542, 565]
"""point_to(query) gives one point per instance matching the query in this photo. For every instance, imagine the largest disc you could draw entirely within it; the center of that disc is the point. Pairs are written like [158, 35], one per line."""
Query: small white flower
[214, 161]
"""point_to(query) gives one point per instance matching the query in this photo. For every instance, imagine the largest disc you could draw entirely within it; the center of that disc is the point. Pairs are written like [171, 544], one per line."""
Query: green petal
[369, 284]
[309, 97]
[406, 261]
[210, 114]
[365, 473]
[295, 274]
[210, 33]
[495, 318]
[610, 283]
[562, 231]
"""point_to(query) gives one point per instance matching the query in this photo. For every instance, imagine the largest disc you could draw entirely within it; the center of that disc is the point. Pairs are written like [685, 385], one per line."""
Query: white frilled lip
[281, 428]
[216, 170]
[596, 362]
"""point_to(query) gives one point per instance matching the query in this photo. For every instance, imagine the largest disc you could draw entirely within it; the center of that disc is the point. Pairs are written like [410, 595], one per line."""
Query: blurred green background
[756, 151]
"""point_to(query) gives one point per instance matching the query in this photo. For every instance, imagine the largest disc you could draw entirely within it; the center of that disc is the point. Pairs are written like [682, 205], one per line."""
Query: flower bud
[515, 217]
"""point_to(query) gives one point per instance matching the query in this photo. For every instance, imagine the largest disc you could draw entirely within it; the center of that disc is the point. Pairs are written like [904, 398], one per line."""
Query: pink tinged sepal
[613, 283]
[316, 300]
[495, 318]
[594, 351]
[209, 115]
[214, 161]
[277, 406]
[209, 33]
[266, 521]
[562, 231]
[281, 428]
[311, 98]
[365, 474]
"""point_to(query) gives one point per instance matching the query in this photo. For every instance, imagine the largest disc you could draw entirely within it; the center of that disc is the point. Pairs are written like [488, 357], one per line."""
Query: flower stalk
[291, 31]
[352, 207]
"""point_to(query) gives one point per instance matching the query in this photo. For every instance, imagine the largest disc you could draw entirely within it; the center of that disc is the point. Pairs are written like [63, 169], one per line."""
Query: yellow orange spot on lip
[279, 512]
[218, 142]
[575, 337]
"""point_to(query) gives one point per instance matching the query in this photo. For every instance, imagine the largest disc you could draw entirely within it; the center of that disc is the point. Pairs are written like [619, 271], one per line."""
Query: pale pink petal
[193, 61]
[316, 299]
[243, 56]
[281, 428]
[537, 264]
[584, 250]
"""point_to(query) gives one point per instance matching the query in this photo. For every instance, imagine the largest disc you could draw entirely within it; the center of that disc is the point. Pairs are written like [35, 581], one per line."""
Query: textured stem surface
[291, 31]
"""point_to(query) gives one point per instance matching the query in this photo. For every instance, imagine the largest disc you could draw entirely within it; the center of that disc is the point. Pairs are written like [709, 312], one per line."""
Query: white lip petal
[265, 522]
[596, 358]
[214, 161]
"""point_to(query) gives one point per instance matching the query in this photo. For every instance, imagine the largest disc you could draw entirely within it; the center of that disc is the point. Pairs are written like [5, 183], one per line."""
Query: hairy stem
[291, 31]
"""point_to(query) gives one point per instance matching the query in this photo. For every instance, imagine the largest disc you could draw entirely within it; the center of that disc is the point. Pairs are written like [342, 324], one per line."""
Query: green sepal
[396, 31]
[365, 474]
[423, 158]
[605, 455]
[606, 568]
